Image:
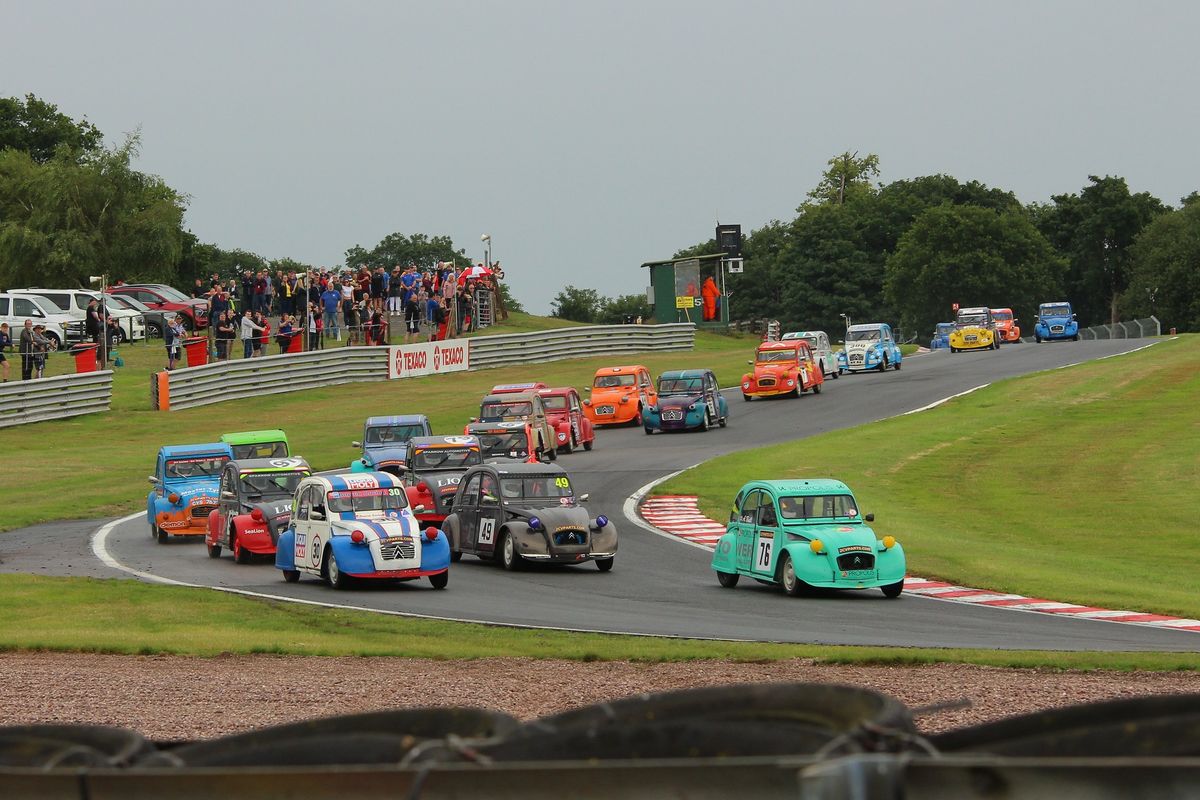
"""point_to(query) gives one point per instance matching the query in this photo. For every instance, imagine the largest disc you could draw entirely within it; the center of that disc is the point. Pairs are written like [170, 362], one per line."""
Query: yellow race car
[974, 329]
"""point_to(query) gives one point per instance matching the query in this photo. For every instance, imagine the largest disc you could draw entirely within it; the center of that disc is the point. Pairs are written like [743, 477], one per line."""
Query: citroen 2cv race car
[1006, 325]
[359, 526]
[974, 329]
[385, 441]
[185, 489]
[254, 505]
[804, 534]
[782, 368]
[869, 346]
[1055, 321]
[564, 411]
[258, 444]
[688, 399]
[512, 513]
[432, 470]
[619, 395]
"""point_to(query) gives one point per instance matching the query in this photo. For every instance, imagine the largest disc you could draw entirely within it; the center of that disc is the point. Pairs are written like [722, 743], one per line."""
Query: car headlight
[791, 382]
[745, 384]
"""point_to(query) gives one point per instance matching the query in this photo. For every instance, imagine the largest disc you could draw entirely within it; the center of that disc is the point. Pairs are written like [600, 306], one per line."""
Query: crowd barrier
[290, 372]
[59, 397]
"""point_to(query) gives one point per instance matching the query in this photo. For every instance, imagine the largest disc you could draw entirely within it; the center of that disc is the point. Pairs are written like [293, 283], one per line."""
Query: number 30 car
[354, 526]
[804, 534]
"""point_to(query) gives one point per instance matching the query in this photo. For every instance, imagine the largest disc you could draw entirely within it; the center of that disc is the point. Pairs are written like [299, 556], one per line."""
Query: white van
[75, 301]
[16, 308]
[818, 342]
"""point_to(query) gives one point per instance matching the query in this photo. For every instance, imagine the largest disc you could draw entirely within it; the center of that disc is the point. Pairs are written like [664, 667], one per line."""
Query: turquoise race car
[804, 534]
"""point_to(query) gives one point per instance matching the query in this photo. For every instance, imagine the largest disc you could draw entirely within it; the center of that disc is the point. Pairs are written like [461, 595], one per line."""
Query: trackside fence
[1136, 329]
[292, 372]
[59, 397]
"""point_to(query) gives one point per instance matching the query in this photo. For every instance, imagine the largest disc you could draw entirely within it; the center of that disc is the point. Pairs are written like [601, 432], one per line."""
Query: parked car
[525, 406]
[1006, 325]
[513, 513]
[804, 534]
[161, 297]
[258, 444]
[870, 345]
[433, 467]
[254, 505]
[782, 368]
[619, 395]
[974, 329]
[358, 526]
[1055, 321]
[385, 441]
[156, 321]
[185, 489]
[822, 350]
[504, 441]
[75, 303]
[687, 399]
[941, 336]
[564, 411]
[16, 308]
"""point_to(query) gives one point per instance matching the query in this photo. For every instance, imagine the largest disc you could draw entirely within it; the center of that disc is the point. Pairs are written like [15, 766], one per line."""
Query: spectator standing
[348, 292]
[225, 335]
[172, 338]
[41, 346]
[199, 290]
[395, 292]
[431, 304]
[464, 308]
[26, 350]
[5, 344]
[286, 331]
[247, 296]
[378, 289]
[268, 293]
[264, 333]
[438, 332]
[412, 318]
[250, 330]
[91, 323]
[331, 298]
[314, 327]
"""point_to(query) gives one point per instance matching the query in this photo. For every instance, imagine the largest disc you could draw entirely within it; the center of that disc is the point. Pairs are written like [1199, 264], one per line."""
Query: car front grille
[856, 561]
[201, 512]
[605, 409]
[764, 382]
[1056, 329]
[856, 358]
[569, 537]
[392, 550]
[672, 416]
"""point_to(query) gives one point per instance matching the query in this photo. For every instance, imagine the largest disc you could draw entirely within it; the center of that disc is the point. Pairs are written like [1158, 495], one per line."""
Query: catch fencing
[1137, 329]
[59, 397]
[291, 372]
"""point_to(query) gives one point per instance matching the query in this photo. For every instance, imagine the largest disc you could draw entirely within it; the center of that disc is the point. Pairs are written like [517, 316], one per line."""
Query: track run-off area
[661, 585]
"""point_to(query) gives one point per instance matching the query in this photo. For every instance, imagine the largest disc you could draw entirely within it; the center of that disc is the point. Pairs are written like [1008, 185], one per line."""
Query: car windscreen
[189, 468]
[270, 484]
[1055, 311]
[536, 489]
[127, 301]
[554, 402]
[1002, 315]
[494, 410]
[680, 386]
[965, 320]
[863, 336]
[821, 506]
[513, 444]
[260, 450]
[172, 294]
[360, 500]
[393, 434]
[442, 458]
[614, 381]
[774, 356]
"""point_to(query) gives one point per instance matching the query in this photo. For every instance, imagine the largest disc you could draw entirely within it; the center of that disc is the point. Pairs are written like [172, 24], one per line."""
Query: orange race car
[1006, 325]
[785, 367]
[618, 395]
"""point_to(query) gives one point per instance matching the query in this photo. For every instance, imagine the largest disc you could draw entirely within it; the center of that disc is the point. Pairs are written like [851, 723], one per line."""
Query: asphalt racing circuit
[660, 585]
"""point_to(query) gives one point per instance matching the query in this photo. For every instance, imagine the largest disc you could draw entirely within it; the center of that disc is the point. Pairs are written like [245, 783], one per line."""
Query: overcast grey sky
[587, 138]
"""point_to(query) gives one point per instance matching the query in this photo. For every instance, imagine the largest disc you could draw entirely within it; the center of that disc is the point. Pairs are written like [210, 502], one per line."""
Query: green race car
[258, 444]
[804, 534]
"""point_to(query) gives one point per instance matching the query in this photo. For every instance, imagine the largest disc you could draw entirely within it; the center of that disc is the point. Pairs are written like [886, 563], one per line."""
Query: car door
[309, 532]
[488, 514]
[766, 533]
[466, 506]
[747, 518]
[227, 503]
[710, 396]
[576, 415]
[649, 393]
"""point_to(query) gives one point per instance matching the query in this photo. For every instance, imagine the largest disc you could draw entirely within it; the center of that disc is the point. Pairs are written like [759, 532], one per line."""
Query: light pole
[486, 238]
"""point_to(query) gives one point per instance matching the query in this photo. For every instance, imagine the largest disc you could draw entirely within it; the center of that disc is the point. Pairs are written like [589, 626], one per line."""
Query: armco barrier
[54, 398]
[230, 380]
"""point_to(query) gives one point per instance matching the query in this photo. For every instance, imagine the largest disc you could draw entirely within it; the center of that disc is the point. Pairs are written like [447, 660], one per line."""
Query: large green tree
[971, 256]
[68, 218]
[38, 128]
[577, 305]
[1163, 279]
[1095, 229]
[614, 310]
[397, 248]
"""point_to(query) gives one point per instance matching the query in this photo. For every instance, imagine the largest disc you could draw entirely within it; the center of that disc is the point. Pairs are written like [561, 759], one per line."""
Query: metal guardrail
[59, 397]
[291, 372]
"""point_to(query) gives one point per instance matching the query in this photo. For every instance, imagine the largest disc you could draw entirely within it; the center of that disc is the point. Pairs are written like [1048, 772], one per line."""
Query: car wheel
[723, 421]
[163, 536]
[728, 579]
[240, 554]
[704, 421]
[638, 419]
[509, 557]
[291, 575]
[153, 331]
[816, 388]
[896, 366]
[883, 365]
[337, 579]
[1037, 338]
[1075, 338]
[604, 564]
[787, 576]
[648, 430]
[214, 551]
[746, 397]
[456, 556]
[440, 580]
[153, 531]
[893, 589]
[587, 445]
[953, 349]
[837, 373]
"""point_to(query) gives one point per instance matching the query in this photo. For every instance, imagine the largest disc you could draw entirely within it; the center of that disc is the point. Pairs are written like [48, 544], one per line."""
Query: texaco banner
[429, 358]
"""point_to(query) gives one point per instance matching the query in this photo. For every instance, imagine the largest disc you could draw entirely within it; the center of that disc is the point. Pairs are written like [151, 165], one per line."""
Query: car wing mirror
[587, 389]
[153, 479]
[356, 444]
[488, 498]
[228, 495]
[316, 514]
[583, 498]
[869, 517]
[419, 508]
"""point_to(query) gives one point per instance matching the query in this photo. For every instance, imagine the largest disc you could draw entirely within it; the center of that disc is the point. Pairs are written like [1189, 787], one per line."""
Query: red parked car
[564, 412]
[161, 297]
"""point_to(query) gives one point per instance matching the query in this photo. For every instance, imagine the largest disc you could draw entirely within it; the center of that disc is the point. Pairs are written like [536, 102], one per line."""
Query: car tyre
[816, 388]
[240, 554]
[746, 397]
[1037, 338]
[604, 564]
[163, 536]
[440, 580]
[883, 365]
[456, 556]
[896, 366]
[787, 576]
[291, 575]
[510, 559]
[336, 578]
[588, 444]
[153, 331]
[728, 579]
[1075, 338]
[214, 551]
[723, 421]
[893, 590]
[704, 422]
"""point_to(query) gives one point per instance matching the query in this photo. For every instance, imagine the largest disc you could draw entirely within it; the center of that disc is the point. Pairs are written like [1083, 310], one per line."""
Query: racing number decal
[314, 552]
[762, 553]
[487, 530]
[562, 483]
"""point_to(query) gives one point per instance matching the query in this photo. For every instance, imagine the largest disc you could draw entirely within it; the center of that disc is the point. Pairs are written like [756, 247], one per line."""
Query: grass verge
[1078, 483]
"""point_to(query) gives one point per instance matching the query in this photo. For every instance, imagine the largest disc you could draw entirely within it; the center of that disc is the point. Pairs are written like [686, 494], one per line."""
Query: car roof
[289, 464]
[524, 468]
[505, 388]
[974, 310]
[254, 437]
[443, 441]
[557, 390]
[790, 344]
[397, 419]
[509, 397]
[341, 481]
[994, 310]
[619, 370]
[1055, 303]
[211, 448]
[803, 334]
[804, 486]
[487, 427]
[868, 326]
[679, 374]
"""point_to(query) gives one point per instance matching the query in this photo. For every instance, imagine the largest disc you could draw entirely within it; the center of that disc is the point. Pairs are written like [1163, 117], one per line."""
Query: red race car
[254, 506]
[564, 411]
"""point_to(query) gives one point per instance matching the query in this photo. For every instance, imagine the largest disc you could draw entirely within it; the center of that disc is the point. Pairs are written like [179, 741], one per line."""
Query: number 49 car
[352, 526]
[804, 534]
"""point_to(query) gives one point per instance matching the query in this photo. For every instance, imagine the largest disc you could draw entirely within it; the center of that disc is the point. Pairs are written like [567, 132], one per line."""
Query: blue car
[185, 489]
[1055, 321]
[688, 399]
[385, 442]
[358, 526]
[941, 336]
[869, 346]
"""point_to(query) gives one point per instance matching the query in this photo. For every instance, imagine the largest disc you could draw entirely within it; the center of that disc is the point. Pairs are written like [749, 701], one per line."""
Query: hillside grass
[1077, 484]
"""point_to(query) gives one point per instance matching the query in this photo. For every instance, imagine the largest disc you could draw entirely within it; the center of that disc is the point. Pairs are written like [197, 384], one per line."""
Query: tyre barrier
[816, 741]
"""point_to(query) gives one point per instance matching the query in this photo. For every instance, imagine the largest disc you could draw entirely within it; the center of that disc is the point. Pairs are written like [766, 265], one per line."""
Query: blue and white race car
[352, 526]
[869, 346]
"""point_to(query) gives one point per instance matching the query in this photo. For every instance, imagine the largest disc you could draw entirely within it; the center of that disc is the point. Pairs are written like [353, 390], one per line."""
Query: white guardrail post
[292, 372]
[59, 397]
